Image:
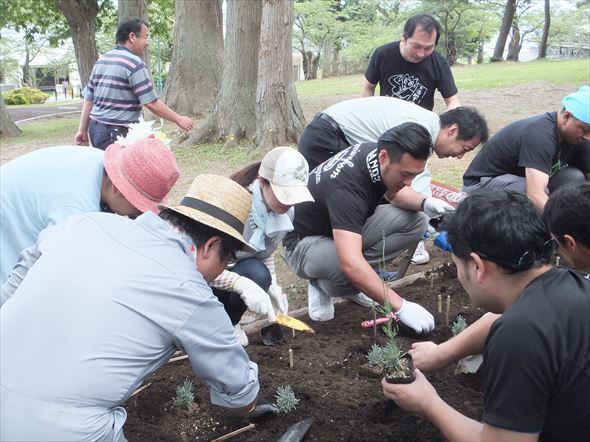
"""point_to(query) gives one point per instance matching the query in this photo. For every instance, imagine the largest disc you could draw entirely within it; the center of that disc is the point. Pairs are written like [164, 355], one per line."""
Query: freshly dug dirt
[328, 378]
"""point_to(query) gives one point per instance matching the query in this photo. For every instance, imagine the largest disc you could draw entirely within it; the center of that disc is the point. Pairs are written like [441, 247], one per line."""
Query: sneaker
[240, 335]
[421, 256]
[319, 305]
[360, 299]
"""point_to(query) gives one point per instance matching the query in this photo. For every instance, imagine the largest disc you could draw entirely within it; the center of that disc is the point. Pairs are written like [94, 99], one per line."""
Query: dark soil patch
[327, 377]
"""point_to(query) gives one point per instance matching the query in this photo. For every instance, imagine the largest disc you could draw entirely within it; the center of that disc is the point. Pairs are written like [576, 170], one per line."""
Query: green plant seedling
[185, 398]
[458, 325]
[285, 399]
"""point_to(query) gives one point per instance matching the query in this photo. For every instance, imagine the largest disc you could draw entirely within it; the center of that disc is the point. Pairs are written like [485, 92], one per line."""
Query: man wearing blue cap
[538, 154]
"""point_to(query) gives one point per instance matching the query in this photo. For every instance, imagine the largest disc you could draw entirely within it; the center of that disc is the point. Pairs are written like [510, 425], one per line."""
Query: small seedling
[185, 398]
[387, 358]
[459, 325]
[285, 399]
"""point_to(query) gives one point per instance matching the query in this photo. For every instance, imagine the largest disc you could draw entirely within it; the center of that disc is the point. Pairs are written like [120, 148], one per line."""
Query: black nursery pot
[405, 376]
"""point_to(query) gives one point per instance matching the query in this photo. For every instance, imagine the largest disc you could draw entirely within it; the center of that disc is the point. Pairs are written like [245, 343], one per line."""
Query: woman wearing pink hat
[44, 187]
[276, 184]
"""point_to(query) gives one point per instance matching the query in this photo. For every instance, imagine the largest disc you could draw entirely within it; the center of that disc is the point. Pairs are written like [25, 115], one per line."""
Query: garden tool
[370, 323]
[296, 324]
[296, 432]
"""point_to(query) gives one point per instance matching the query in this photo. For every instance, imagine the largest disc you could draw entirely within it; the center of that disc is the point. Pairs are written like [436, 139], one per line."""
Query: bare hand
[426, 356]
[412, 397]
[185, 123]
[81, 138]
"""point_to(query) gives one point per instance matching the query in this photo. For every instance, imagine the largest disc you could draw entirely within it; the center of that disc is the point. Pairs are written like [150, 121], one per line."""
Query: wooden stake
[448, 308]
[140, 389]
[293, 330]
[290, 358]
[439, 298]
[178, 358]
[557, 261]
[234, 433]
[431, 280]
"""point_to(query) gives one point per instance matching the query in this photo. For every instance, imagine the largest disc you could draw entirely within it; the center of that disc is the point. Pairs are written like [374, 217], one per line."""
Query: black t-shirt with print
[347, 189]
[529, 143]
[414, 82]
[537, 360]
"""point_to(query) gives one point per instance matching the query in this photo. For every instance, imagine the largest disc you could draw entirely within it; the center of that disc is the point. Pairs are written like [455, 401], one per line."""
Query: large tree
[7, 127]
[509, 10]
[279, 117]
[195, 74]
[81, 17]
[234, 117]
[137, 9]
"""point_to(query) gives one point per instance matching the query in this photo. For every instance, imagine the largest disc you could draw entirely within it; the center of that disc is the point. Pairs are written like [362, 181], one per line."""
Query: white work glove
[278, 298]
[255, 298]
[434, 207]
[416, 317]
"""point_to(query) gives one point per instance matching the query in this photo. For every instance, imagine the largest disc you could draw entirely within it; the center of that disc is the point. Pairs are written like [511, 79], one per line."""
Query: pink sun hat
[144, 172]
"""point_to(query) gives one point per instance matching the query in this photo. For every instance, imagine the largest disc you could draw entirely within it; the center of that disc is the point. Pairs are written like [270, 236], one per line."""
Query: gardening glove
[434, 207]
[254, 297]
[263, 407]
[278, 299]
[416, 317]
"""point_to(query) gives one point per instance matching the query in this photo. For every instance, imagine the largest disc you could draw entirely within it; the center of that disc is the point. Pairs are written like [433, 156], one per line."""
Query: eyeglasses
[526, 260]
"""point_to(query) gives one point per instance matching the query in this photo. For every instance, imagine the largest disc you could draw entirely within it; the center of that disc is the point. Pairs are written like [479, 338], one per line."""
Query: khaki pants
[386, 234]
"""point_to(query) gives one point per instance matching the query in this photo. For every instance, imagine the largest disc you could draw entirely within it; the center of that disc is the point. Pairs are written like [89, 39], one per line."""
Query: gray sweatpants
[386, 234]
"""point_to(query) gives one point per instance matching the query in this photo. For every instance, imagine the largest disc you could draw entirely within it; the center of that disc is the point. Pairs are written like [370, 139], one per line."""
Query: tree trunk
[480, 52]
[7, 127]
[327, 58]
[234, 115]
[27, 68]
[134, 9]
[195, 72]
[513, 47]
[81, 18]
[509, 11]
[545, 36]
[279, 117]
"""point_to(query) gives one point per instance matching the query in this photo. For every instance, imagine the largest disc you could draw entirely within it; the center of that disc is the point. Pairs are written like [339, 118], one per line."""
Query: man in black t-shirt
[537, 354]
[411, 69]
[344, 234]
[530, 155]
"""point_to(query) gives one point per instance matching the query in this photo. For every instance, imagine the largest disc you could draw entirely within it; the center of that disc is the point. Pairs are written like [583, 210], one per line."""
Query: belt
[329, 120]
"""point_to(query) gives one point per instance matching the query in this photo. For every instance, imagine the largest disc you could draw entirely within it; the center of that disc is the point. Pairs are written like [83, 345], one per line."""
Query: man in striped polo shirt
[119, 86]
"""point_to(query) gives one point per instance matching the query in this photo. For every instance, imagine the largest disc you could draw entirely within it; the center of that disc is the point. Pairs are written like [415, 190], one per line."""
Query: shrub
[286, 400]
[185, 397]
[25, 95]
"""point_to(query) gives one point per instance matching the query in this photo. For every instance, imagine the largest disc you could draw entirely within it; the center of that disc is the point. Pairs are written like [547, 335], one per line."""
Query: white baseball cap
[287, 172]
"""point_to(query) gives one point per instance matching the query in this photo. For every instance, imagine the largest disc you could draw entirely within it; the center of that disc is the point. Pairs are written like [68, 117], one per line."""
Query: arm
[161, 110]
[429, 357]
[409, 199]
[536, 186]
[358, 271]
[452, 102]
[421, 397]
[81, 138]
[368, 89]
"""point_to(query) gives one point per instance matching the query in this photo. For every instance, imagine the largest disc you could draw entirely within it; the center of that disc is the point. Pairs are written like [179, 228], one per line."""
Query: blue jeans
[251, 268]
[103, 135]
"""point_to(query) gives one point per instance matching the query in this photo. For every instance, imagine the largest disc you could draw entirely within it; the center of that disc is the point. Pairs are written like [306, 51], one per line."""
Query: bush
[25, 95]
[185, 397]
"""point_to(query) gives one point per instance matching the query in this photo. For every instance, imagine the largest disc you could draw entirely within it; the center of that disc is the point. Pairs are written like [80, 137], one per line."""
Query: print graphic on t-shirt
[407, 87]
[373, 166]
[338, 161]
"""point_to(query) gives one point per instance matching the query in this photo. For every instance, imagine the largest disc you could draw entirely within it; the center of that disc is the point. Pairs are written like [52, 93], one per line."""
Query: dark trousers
[563, 176]
[320, 141]
[251, 268]
[103, 135]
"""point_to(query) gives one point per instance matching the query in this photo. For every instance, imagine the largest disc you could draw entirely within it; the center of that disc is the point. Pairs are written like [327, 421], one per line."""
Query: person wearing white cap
[538, 154]
[91, 337]
[277, 183]
[44, 187]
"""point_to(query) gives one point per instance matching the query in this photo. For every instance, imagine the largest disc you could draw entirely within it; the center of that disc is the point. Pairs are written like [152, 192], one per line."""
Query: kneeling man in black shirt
[537, 354]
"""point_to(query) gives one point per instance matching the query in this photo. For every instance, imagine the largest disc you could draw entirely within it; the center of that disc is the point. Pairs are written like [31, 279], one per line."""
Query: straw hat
[287, 172]
[217, 202]
[144, 172]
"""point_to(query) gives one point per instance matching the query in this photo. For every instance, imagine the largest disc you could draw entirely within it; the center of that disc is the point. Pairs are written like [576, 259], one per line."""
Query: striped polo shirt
[119, 86]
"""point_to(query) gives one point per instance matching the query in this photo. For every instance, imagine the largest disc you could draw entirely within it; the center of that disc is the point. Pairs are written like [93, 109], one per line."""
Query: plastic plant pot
[406, 375]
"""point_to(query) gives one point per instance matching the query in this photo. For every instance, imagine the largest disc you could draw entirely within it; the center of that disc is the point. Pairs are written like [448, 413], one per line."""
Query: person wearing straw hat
[98, 334]
[538, 154]
[46, 186]
[276, 183]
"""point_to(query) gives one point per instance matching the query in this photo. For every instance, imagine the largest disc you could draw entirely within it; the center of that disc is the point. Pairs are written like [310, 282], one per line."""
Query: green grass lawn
[484, 76]
[49, 132]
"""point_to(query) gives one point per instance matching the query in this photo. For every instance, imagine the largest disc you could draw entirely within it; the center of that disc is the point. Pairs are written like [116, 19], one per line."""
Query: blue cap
[578, 103]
